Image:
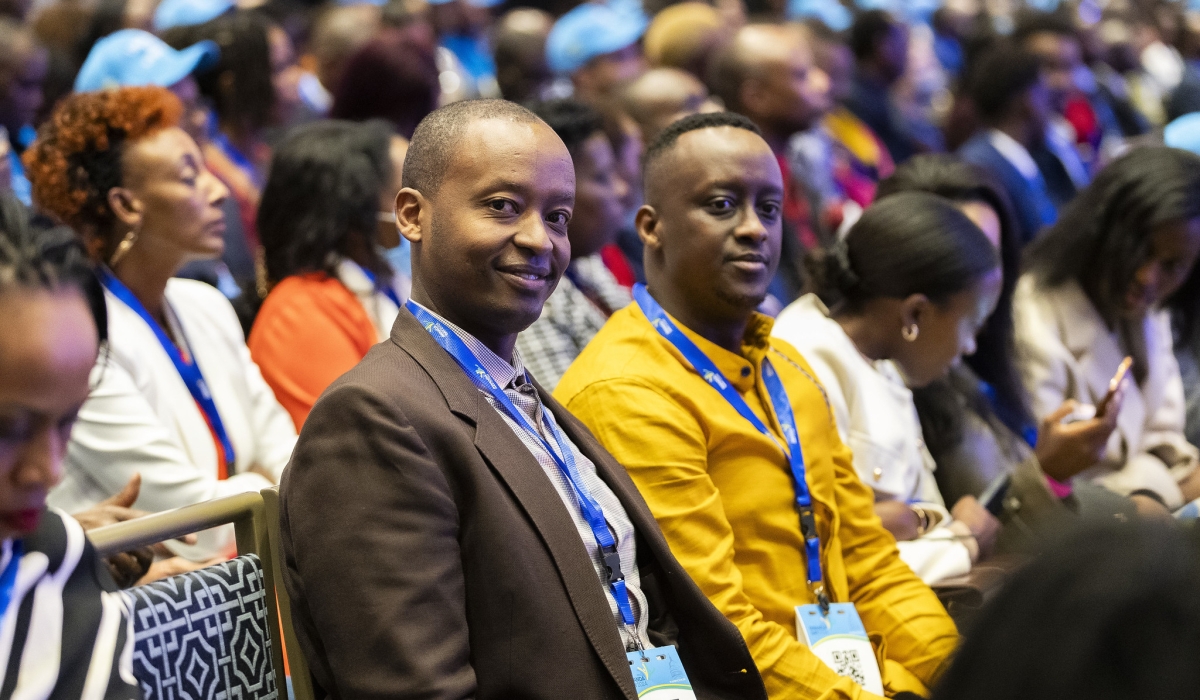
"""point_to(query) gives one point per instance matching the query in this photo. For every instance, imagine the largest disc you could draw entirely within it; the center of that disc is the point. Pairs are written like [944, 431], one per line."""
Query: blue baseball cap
[593, 29]
[833, 14]
[185, 13]
[133, 58]
[1184, 133]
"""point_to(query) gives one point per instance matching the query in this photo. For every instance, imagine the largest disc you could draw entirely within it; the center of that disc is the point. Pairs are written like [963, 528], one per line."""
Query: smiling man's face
[718, 222]
[494, 241]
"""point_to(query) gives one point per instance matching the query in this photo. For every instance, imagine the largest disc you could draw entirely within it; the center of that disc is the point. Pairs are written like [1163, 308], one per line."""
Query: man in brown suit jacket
[434, 549]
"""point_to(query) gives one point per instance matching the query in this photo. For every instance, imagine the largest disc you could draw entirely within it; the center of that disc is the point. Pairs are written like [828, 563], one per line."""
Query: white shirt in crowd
[380, 309]
[140, 417]
[877, 419]
[1066, 351]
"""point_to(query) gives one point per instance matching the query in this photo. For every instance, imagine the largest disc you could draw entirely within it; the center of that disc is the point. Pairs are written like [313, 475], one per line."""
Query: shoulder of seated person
[195, 292]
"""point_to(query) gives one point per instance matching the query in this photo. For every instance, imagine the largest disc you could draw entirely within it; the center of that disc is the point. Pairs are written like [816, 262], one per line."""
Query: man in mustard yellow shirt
[722, 489]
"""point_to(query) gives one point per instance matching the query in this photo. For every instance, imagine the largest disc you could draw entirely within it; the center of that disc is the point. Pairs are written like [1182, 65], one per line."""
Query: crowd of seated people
[598, 348]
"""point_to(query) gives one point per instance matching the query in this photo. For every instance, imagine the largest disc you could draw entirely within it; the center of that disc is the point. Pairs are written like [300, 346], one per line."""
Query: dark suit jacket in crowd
[428, 554]
[1031, 205]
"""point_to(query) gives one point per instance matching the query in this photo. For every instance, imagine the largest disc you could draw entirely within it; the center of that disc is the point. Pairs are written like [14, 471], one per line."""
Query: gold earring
[123, 247]
[910, 333]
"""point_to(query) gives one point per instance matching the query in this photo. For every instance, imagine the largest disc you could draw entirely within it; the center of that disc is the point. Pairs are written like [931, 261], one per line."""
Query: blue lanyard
[783, 412]
[564, 458]
[188, 370]
[387, 290]
[8, 580]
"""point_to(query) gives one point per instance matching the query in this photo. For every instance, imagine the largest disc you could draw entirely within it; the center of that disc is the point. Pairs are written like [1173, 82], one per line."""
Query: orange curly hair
[76, 158]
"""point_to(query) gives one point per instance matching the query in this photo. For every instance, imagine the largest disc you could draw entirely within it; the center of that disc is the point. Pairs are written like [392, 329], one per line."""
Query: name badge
[840, 640]
[658, 674]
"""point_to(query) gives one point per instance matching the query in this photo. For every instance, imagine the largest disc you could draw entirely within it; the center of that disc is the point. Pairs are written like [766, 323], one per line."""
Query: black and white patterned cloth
[584, 299]
[65, 634]
[205, 635]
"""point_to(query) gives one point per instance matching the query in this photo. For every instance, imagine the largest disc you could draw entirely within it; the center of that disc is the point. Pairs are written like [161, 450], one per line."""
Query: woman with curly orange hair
[176, 397]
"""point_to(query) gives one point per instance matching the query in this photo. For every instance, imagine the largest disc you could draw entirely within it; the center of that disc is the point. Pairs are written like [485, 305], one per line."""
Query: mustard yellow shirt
[723, 495]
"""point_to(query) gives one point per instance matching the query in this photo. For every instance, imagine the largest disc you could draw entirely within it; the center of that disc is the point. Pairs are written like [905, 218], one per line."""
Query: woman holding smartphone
[1093, 295]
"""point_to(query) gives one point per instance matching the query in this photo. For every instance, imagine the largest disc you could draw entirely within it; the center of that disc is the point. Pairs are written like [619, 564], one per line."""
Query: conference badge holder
[840, 640]
[658, 674]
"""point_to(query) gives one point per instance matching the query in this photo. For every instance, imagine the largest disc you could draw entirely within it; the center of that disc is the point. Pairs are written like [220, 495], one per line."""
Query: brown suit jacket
[429, 556]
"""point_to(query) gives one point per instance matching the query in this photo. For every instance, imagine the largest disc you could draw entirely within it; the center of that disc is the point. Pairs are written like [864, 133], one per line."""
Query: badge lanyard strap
[591, 510]
[8, 580]
[783, 412]
[188, 370]
[387, 290]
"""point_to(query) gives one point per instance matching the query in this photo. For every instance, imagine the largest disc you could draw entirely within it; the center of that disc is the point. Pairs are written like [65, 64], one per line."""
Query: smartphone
[992, 497]
[1114, 384]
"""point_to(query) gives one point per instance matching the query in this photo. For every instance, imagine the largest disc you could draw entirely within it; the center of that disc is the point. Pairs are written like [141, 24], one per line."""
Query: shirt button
[745, 371]
[878, 473]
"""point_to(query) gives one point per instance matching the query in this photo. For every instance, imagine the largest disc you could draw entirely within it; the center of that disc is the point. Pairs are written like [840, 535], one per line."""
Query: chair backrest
[302, 687]
[205, 634]
[222, 620]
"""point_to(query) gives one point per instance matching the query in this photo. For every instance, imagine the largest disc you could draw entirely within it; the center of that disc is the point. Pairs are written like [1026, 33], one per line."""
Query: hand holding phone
[1114, 386]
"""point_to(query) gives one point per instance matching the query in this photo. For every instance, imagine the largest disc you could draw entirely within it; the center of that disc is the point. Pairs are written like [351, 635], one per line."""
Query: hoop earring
[910, 333]
[123, 248]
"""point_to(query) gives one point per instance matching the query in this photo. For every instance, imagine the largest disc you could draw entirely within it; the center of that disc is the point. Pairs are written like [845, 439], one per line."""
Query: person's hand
[898, 519]
[983, 525]
[113, 510]
[1065, 450]
[1149, 508]
[262, 471]
[165, 568]
[1191, 487]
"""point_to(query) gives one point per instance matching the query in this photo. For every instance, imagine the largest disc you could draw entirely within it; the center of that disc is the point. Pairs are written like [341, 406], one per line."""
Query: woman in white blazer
[1093, 295]
[909, 288]
[175, 397]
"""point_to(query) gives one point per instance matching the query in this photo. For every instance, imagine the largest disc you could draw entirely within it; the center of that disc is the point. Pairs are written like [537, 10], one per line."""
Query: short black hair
[1003, 74]
[868, 30]
[323, 189]
[1033, 22]
[573, 121]
[435, 138]
[693, 122]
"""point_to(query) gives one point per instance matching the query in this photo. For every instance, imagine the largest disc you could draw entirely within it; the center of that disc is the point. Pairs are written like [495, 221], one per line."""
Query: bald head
[340, 32]
[661, 96]
[767, 73]
[520, 53]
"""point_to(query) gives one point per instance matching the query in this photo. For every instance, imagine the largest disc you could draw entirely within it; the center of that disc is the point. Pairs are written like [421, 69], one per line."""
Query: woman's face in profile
[180, 199]
[1170, 257]
[48, 346]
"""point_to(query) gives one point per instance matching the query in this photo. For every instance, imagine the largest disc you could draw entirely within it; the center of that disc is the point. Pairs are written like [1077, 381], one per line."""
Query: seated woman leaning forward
[904, 296]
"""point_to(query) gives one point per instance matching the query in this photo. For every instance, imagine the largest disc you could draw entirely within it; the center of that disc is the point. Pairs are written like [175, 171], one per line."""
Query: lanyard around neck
[188, 370]
[8, 579]
[783, 412]
[564, 457]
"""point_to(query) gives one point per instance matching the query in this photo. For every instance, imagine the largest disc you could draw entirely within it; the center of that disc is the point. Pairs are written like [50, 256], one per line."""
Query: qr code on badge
[847, 663]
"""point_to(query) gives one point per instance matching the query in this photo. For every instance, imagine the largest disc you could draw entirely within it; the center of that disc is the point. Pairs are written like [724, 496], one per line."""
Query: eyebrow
[521, 188]
[739, 185]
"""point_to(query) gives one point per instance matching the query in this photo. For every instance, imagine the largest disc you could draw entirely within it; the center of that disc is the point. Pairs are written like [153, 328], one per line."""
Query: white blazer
[1066, 351]
[140, 417]
[877, 419]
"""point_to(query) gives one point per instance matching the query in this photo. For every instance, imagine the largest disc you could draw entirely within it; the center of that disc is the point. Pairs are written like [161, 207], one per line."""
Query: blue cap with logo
[185, 13]
[133, 58]
[593, 29]
[1184, 133]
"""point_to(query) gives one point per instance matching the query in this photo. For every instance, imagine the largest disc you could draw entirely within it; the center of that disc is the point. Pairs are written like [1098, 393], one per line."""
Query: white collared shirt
[1016, 154]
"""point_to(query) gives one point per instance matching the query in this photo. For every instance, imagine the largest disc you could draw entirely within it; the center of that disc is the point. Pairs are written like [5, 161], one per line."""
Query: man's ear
[411, 205]
[914, 309]
[647, 224]
[126, 207]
